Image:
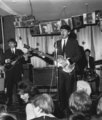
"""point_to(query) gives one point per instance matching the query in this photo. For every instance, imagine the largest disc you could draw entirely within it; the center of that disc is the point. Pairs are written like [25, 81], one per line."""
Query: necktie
[63, 44]
[13, 51]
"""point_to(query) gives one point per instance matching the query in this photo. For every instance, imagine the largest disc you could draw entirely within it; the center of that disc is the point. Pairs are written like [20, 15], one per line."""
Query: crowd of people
[40, 106]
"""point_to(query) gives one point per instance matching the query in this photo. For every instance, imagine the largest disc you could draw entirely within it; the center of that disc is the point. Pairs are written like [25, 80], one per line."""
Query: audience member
[27, 90]
[80, 101]
[84, 85]
[44, 107]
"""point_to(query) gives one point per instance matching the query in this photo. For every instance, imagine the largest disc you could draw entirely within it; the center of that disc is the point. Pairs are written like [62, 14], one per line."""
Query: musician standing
[13, 61]
[68, 48]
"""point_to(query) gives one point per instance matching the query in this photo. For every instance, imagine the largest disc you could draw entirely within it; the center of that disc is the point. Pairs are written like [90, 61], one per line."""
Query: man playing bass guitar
[68, 48]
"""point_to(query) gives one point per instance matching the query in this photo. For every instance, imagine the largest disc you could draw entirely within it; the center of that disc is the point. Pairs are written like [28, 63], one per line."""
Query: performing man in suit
[13, 62]
[69, 49]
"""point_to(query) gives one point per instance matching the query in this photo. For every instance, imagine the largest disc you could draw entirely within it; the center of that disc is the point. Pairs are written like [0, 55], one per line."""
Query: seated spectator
[80, 101]
[27, 90]
[44, 107]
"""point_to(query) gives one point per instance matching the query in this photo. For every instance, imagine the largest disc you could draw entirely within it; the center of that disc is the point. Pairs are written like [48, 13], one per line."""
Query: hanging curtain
[97, 38]
[84, 37]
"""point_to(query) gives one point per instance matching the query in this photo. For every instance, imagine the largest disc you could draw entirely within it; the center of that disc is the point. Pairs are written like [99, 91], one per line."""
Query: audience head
[43, 103]
[27, 90]
[84, 86]
[7, 116]
[80, 101]
[99, 107]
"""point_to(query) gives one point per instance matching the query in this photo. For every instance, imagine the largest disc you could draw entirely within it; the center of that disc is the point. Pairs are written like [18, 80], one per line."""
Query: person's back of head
[27, 87]
[80, 101]
[44, 102]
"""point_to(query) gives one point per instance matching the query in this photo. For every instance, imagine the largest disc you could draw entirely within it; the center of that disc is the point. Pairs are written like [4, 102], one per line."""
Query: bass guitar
[60, 62]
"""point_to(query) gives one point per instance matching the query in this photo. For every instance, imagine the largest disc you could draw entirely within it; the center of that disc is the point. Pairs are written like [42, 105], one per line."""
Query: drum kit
[90, 75]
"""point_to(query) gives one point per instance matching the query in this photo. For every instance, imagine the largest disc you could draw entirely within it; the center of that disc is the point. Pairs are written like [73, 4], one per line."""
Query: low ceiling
[51, 9]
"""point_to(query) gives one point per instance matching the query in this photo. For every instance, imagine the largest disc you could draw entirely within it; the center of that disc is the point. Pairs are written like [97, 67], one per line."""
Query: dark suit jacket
[91, 63]
[71, 49]
[13, 74]
[18, 56]
[81, 64]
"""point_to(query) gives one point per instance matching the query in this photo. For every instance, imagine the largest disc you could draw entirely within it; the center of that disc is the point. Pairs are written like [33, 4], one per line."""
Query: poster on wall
[89, 18]
[77, 22]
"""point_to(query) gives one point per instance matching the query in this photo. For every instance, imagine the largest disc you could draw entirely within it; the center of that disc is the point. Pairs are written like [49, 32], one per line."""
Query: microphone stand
[56, 67]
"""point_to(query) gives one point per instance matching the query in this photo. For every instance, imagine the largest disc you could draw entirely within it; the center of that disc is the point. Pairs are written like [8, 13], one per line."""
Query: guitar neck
[38, 52]
[48, 56]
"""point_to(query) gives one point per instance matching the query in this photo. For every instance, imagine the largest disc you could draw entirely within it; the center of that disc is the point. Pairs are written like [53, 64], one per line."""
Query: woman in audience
[44, 107]
[26, 90]
[80, 102]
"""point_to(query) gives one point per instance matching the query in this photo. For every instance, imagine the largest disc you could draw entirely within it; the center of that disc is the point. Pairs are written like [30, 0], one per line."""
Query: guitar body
[11, 64]
[8, 66]
[64, 63]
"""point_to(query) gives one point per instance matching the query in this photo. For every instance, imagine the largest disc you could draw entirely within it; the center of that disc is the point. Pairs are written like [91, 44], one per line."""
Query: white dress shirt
[13, 50]
[64, 41]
